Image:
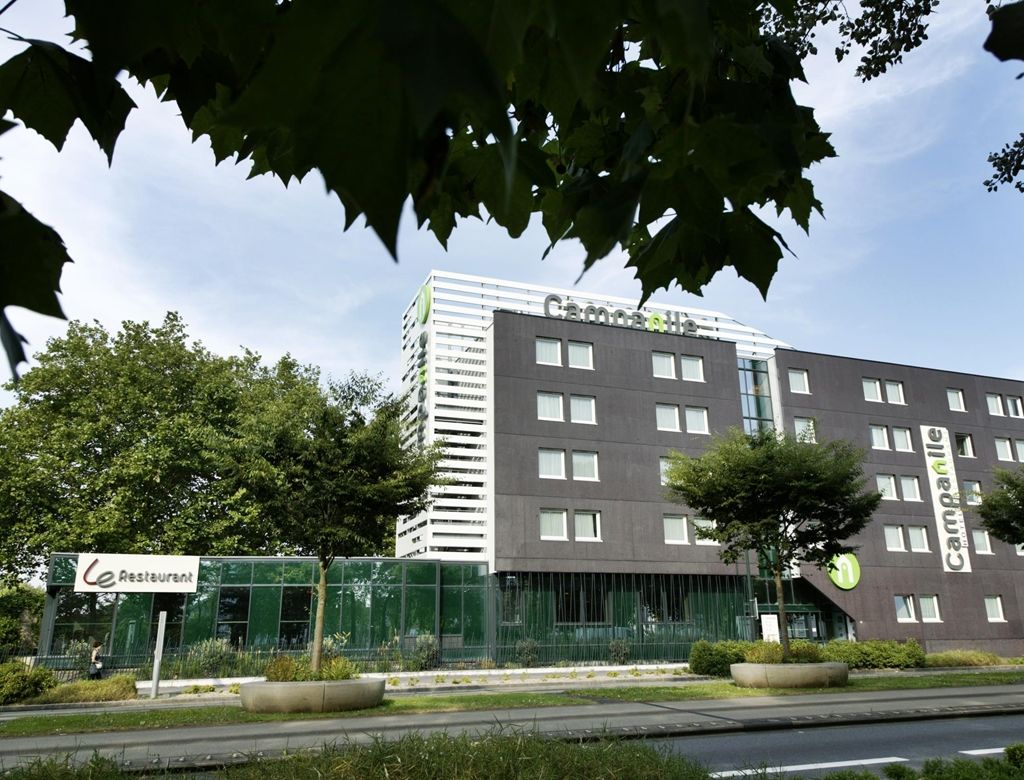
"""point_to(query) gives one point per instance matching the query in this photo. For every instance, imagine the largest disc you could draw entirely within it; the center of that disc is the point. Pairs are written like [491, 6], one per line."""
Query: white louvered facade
[447, 372]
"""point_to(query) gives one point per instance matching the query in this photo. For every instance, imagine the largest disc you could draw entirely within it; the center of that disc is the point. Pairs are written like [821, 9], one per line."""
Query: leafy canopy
[1002, 510]
[661, 128]
[792, 500]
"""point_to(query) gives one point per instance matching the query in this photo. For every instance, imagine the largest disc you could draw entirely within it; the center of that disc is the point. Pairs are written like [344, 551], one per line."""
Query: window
[901, 440]
[664, 365]
[917, 536]
[804, 427]
[798, 381]
[955, 399]
[552, 464]
[887, 486]
[549, 406]
[1018, 445]
[584, 466]
[972, 492]
[552, 524]
[581, 354]
[994, 609]
[549, 352]
[929, 605]
[879, 437]
[995, 404]
[872, 390]
[1014, 406]
[583, 409]
[664, 464]
[295, 610]
[982, 544]
[675, 529]
[1003, 451]
[233, 615]
[894, 392]
[910, 487]
[702, 523]
[894, 538]
[668, 417]
[964, 445]
[697, 419]
[588, 526]
[693, 368]
[905, 609]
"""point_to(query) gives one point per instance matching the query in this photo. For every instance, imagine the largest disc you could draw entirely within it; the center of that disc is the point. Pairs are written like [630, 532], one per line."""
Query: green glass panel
[475, 574]
[236, 573]
[131, 630]
[420, 610]
[266, 572]
[421, 574]
[474, 625]
[451, 574]
[264, 616]
[64, 571]
[355, 614]
[387, 615]
[332, 613]
[300, 573]
[387, 573]
[209, 572]
[335, 573]
[451, 610]
[358, 572]
[200, 613]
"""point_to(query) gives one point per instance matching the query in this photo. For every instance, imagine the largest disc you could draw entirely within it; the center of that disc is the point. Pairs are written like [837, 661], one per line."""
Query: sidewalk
[207, 746]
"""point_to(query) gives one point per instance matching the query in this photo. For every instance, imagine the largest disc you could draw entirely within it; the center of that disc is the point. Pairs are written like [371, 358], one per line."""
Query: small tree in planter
[336, 476]
[792, 501]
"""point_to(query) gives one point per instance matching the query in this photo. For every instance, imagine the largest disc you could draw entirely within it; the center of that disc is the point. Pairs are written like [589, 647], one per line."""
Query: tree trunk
[321, 605]
[783, 622]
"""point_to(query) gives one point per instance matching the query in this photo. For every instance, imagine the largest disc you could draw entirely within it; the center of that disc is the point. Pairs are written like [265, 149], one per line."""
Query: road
[814, 752]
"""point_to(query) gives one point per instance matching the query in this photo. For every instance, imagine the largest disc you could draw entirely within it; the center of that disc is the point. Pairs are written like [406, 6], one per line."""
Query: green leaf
[1006, 41]
[31, 262]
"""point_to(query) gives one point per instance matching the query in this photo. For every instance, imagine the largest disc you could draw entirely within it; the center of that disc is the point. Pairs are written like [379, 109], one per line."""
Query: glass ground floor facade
[270, 604]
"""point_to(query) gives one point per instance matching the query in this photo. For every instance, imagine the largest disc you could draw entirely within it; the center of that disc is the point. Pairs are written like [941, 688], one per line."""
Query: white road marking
[808, 767]
[983, 751]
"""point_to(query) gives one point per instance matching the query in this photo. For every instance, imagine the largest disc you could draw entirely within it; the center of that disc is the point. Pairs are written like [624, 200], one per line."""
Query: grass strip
[52, 724]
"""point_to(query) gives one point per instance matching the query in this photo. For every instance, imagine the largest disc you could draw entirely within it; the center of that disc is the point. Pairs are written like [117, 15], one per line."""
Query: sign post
[158, 654]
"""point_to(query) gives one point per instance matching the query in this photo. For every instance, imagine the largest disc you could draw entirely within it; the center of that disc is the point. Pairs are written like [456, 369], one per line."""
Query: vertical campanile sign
[949, 519]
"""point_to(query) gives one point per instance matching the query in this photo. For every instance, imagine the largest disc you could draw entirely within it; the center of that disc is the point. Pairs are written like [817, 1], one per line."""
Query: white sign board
[949, 519]
[770, 628]
[99, 573]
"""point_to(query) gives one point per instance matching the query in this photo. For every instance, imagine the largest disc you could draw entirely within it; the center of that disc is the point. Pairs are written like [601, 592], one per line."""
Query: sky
[913, 263]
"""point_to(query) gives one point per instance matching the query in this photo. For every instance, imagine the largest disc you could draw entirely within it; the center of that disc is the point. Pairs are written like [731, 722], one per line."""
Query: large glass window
[584, 466]
[693, 368]
[549, 352]
[82, 617]
[295, 612]
[576, 603]
[174, 605]
[583, 409]
[233, 615]
[667, 417]
[549, 406]
[664, 365]
[581, 354]
[755, 396]
[551, 464]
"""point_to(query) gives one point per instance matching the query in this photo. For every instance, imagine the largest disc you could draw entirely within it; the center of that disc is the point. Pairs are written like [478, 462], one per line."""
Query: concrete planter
[825, 675]
[317, 696]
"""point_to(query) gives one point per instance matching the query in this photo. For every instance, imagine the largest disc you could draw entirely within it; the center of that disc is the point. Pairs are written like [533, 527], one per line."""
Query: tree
[21, 612]
[658, 127]
[1002, 510]
[333, 476]
[120, 443]
[791, 501]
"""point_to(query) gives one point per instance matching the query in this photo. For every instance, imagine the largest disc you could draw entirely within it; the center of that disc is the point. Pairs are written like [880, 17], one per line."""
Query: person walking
[96, 661]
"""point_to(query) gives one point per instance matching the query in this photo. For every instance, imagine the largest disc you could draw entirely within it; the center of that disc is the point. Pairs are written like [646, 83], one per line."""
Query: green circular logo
[846, 571]
[423, 304]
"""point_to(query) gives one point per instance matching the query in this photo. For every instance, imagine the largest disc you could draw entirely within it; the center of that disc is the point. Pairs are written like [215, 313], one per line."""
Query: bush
[18, 682]
[962, 658]
[527, 652]
[1015, 755]
[763, 653]
[427, 654]
[801, 651]
[339, 668]
[875, 653]
[714, 659]
[119, 687]
[618, 652]
[285, 668]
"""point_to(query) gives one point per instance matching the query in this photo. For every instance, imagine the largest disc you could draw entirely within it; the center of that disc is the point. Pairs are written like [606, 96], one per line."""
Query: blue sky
[914, 263]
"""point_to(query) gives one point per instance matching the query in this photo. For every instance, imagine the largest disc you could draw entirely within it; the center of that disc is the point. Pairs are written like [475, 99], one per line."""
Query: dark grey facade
[942, 609]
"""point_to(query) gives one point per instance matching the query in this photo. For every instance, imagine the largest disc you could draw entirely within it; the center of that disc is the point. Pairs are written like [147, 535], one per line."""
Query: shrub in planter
[339, 668]
[714, 659]
[801, 651]
[618, 651]
[875, 653]
[527, 652]
[285, 668]
[18, 682]
[763, 653]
